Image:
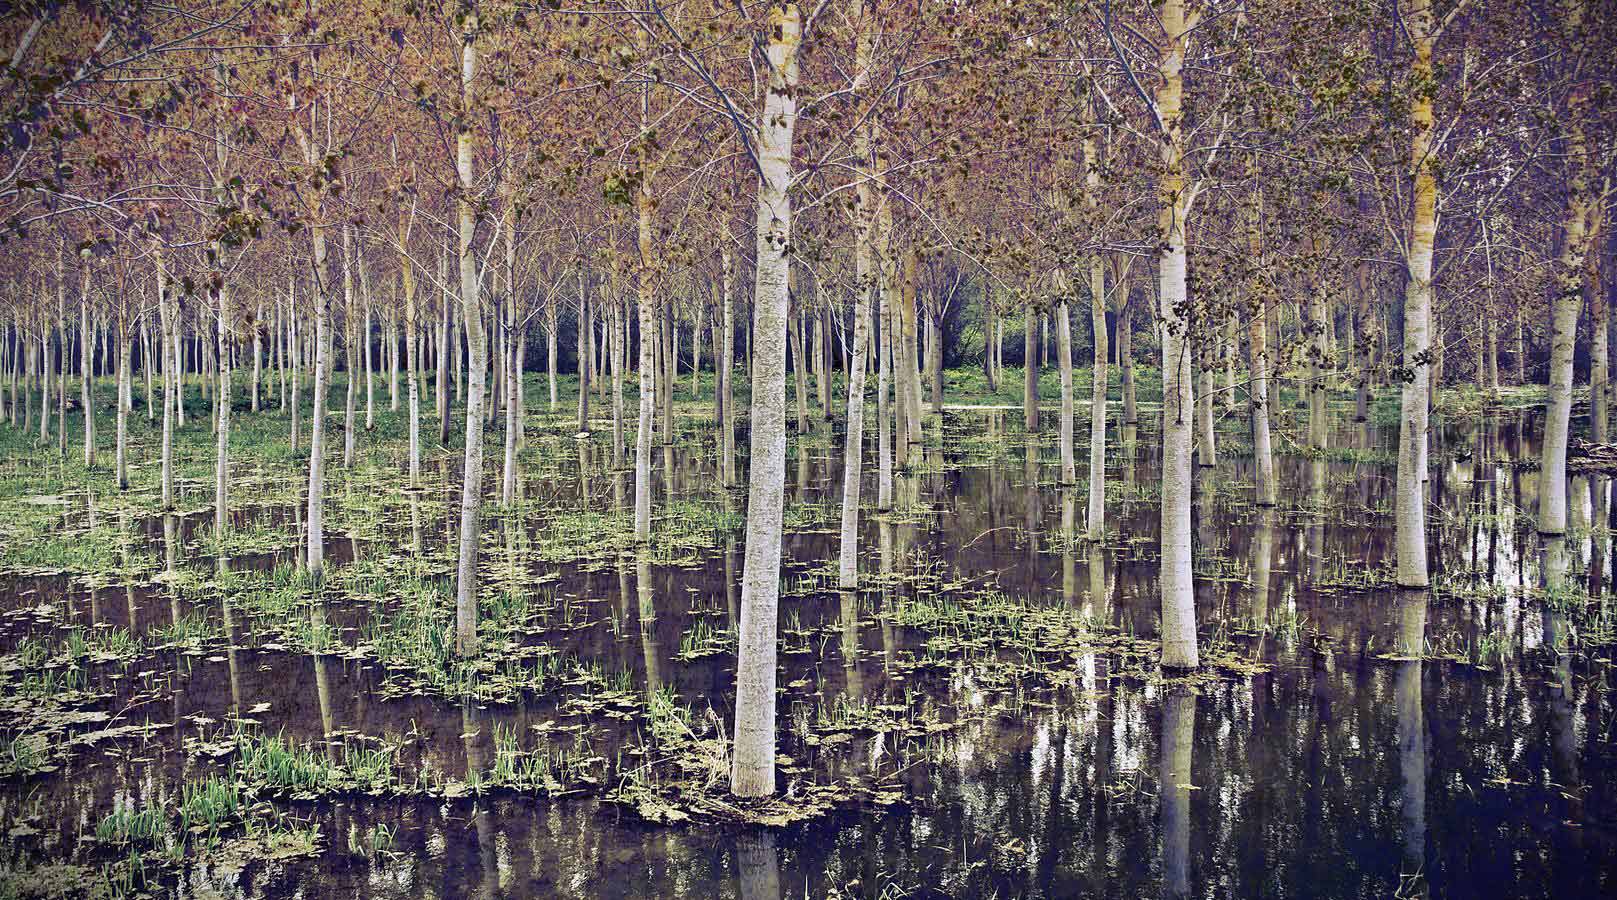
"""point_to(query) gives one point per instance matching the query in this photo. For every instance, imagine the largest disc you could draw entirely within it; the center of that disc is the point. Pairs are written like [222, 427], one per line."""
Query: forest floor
[184, 704]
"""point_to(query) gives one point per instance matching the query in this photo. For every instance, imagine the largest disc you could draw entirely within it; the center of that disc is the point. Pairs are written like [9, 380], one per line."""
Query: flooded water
[1362, 742]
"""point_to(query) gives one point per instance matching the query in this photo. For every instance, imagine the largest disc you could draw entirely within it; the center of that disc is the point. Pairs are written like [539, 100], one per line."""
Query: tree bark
[1179, 649]
[1097, 402]
[1410, 503]
[471, 493]
[752, 772]
[1568, 302]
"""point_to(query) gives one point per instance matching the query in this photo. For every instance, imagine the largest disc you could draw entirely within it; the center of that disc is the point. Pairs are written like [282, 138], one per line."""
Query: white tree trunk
[1179, 648]
[752, 771]
[1097, 400]
[471, 494]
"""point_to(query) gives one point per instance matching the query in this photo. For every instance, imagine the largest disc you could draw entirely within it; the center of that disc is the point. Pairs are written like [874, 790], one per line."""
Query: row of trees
[1274, 186]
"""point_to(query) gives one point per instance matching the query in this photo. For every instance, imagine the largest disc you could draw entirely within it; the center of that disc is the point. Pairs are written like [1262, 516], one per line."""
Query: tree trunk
[1179, 648]
[752, 772]
[583, 357]
[1097, 402]
[1069, 468]
[471, 494]
[884, 363]
[1410, 505]
[800, 371]
[513, 418]
[1600, 334]
[725, 345]
[1568, 301]
[853, 452]
[87, 375]
[121, 454]
[1030, 371]
[935, 363]
[648, 362]
[550, 350]
[1125, 358]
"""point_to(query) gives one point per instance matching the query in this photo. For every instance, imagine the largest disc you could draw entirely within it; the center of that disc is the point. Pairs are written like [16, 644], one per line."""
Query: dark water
[1348, 767]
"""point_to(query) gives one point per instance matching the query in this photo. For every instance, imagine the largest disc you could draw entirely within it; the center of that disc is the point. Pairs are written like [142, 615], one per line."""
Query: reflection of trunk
[1412, 729]
[758, 866]
[753, 769]
[1178, 736]
[1177, 584]
[1263, 544]
[646, 617]
[471, 494]
[849, 620]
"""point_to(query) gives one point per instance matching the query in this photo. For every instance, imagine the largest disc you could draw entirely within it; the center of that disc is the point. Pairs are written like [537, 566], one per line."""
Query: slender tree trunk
[696, 352]
[166, 318]
[584, 357]
[294, 346]
[221, 478]
[513, 418]
[1600, 334]
[800, 371]
[1410, 504]
[935, 363]
[86, 369]
[668, 377]
[1069, 468]
[866, 284]
[1568, 302]
[1179, 648]
[725, 347]
[550, 349]
[1030, 371]
[618, 350]
[648, 352]
[121, 454]
[1259, 289]
[471, 495]
[752, 770]
[316, 552]
[145, 366]
[1125, 358]
[884, 365]
[1097, 401]
[348, 318]
[1318, 357]
[1207, 440]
